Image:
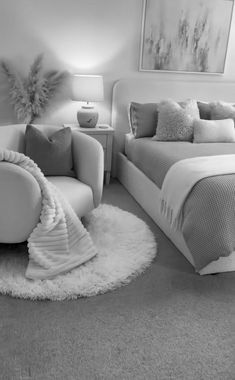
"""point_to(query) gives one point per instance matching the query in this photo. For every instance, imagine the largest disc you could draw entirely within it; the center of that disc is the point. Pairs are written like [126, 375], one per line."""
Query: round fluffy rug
[126, 247]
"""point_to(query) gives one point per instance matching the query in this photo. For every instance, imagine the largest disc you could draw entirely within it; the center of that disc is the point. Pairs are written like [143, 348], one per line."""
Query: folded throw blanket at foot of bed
[197, 199]
[59, 242]
[182, 177]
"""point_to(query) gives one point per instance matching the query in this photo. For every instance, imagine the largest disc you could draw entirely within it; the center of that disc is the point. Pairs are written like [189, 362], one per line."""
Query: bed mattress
[208, 213]
[154, 158]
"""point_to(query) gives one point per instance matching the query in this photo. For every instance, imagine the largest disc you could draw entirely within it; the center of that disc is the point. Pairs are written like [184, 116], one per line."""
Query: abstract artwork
[185, 35]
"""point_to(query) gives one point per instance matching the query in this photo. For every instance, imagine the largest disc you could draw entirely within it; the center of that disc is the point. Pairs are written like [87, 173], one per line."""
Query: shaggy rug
[125, 245]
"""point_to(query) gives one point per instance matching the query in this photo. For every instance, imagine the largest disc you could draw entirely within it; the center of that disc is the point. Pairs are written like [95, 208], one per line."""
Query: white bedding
[144, 190]
[211, 188]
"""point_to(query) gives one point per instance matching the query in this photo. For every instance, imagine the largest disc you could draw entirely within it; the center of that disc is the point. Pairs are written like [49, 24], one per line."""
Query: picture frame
[185, 36]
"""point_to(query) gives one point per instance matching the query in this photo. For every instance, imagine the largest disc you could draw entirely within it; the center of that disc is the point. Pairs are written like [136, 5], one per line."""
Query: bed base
[138, 184]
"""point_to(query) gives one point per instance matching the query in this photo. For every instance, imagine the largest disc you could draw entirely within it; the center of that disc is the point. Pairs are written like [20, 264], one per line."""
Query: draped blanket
[59, 242]
[182, 177]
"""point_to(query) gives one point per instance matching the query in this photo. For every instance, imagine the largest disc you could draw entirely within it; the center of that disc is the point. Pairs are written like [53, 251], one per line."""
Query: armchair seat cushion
[77, 193]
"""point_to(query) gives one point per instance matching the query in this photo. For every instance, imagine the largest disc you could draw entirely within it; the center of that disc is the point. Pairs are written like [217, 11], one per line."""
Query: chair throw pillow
[53, 154]
[214, 131]
[175, 120]
[143, 119]
[222, 110]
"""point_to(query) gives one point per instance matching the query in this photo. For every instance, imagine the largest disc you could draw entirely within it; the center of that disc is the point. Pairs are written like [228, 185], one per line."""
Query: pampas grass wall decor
[30, 96]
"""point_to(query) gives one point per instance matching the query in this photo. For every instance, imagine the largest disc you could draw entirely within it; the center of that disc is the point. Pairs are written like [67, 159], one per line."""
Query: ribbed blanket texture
[59, 242]
[182, 177]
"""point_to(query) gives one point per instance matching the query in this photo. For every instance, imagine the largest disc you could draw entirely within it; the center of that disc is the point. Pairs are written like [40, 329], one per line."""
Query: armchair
[20, 195]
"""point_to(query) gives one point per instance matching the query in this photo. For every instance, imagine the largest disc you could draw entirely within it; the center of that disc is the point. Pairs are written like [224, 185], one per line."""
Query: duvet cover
[208, 215]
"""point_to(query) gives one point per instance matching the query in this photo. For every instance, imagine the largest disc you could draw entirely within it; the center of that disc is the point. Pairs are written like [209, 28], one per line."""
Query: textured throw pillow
[222, 110]
[52, 154]
[204, 110]
[143, 119]
[175, 120]
[209, 131]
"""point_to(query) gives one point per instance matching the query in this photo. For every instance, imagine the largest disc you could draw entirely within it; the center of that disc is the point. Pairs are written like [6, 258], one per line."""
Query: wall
[80, 36]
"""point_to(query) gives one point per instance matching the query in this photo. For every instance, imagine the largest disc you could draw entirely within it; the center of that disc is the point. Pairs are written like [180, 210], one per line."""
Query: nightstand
[104, 134]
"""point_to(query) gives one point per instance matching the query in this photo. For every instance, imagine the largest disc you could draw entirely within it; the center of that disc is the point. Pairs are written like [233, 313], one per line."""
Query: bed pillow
[175, 120]
[143, 119]
[52, 154]
[204, 110]
[213, 131]
[222, 110]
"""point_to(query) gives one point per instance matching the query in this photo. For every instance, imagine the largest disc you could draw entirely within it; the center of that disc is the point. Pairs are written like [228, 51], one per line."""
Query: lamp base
[87, 117]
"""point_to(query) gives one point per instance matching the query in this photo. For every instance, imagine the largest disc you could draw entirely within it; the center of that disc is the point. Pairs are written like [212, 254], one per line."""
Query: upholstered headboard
[144, 90]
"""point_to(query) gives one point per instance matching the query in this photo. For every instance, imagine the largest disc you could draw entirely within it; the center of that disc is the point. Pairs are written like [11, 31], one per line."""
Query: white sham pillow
[222, 110]
[213, 131]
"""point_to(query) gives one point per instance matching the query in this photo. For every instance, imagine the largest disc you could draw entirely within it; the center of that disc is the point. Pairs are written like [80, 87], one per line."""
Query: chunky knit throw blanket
[59, 242]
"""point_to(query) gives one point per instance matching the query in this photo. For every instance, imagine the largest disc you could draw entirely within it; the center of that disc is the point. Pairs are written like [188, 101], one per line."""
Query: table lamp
[87, 88]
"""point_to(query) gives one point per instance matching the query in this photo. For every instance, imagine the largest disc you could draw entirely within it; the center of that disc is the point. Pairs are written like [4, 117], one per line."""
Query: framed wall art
[185, 35]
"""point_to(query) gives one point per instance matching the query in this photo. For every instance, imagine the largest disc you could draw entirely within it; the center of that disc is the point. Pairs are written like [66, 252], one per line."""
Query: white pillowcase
[222, 110]
[212, 131]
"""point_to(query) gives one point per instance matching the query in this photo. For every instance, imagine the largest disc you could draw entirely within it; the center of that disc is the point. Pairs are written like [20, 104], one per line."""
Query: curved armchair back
[12, 136]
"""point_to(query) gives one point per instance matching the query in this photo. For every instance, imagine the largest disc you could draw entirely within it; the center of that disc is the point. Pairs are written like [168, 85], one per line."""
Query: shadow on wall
[19, 49]
[22, 48]
[7, 115]
[61, 108]
[83, 47]
[7, 112]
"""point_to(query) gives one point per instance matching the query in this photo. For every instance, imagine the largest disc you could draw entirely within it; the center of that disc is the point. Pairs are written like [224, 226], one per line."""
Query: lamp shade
[88, 88]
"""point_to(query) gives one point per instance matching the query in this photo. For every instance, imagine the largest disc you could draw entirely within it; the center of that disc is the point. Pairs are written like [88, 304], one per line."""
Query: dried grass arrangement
[30, 96]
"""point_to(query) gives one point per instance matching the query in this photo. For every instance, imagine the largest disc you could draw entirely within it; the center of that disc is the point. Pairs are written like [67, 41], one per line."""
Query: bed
[134, 174]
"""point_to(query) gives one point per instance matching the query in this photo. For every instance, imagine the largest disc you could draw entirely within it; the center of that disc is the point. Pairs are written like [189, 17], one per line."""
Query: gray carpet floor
[169, 323]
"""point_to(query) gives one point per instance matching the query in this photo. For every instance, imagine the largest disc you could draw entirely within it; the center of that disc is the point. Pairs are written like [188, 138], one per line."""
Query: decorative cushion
[204, 110]
[52, 154]
[209, 131]
[143, 119]
[175, 120]
[222, 110]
